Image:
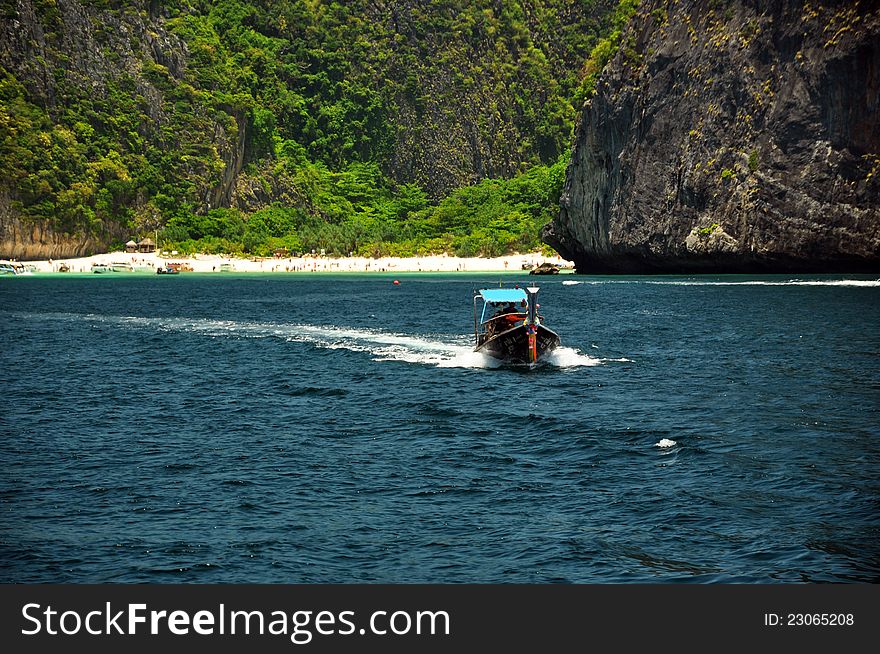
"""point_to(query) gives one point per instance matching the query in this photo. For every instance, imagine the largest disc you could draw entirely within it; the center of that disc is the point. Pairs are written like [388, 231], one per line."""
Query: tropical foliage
[364, 127]
[357, 213]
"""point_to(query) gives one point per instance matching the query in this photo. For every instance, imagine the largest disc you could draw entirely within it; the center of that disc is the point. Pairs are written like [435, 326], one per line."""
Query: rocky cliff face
[124, 116]
[29, 240]
[731, 137]
[67, 52]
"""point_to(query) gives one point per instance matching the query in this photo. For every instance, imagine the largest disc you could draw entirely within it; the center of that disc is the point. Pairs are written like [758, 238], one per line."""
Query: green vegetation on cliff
[357, 213]
[363, 126]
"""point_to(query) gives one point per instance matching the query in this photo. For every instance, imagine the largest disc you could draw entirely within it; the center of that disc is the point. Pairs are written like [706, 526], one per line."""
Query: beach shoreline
[213, 263]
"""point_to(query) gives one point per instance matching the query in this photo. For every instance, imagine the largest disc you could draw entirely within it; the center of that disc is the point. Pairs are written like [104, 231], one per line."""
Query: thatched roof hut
[131, 246]
[146, 245]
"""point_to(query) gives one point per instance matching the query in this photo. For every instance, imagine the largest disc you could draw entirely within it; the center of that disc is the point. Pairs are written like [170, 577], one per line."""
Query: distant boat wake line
[789, 282]
[381, 345]
[865, 283]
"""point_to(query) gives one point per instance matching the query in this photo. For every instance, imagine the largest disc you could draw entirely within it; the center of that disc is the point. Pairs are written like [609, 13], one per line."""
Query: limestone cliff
[121, 118]
[30, 240]
[70, 54]
[730, 137]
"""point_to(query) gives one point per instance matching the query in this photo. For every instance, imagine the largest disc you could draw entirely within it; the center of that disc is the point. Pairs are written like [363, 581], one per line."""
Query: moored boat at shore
[507, 327]
[11, 267]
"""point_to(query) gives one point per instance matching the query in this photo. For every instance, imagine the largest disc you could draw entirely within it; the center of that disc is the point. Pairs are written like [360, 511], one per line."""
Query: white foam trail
[665, 442]
[380, 345]
[383, 346]
[470, 359]
[568, 357]
[571, 282]
[790, 282]
[837, 282]
[865, 283]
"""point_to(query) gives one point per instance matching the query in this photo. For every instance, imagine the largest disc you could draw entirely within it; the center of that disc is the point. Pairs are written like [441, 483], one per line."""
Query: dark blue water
[338, 429]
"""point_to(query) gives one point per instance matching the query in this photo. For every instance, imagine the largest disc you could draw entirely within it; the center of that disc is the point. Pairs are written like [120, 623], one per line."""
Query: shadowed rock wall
[730, 137]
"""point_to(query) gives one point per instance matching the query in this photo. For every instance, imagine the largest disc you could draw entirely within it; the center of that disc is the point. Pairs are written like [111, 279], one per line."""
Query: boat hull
[512, 346]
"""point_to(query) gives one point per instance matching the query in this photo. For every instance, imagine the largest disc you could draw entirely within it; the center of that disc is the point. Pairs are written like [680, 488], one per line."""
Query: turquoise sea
[339, 428]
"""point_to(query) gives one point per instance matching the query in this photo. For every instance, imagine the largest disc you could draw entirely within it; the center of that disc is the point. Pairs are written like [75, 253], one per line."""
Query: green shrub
[753, 160]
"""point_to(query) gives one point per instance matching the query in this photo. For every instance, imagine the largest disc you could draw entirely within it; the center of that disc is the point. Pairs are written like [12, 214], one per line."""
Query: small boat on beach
[121, 266]
[101, 268]
[167, 270]
[11, 267]
[507, 326]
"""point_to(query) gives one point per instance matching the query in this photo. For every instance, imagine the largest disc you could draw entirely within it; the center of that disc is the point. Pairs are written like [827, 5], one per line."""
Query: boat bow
[510, 328]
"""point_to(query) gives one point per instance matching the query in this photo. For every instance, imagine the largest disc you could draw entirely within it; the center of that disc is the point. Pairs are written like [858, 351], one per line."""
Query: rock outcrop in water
[730, 136]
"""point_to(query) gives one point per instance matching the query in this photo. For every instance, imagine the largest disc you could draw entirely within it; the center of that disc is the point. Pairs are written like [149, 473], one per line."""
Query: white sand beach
[208, 263]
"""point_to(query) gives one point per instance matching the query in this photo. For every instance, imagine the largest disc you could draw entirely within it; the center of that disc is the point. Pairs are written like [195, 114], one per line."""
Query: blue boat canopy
[500, 295]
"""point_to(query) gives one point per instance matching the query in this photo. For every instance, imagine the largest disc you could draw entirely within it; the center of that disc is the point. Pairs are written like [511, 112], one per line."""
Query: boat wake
[561, 357]
[787, 282]
[864, 283]
[569, 357]
[436, 350]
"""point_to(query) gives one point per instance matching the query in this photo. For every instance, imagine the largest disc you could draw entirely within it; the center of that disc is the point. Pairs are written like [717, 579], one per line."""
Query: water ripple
[720, 429]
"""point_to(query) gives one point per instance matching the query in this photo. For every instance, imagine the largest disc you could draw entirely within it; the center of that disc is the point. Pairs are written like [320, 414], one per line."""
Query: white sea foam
[568, 357]
[665, 442]
[787, 282]
[864, 283]
[443, 352]
[467, 358]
